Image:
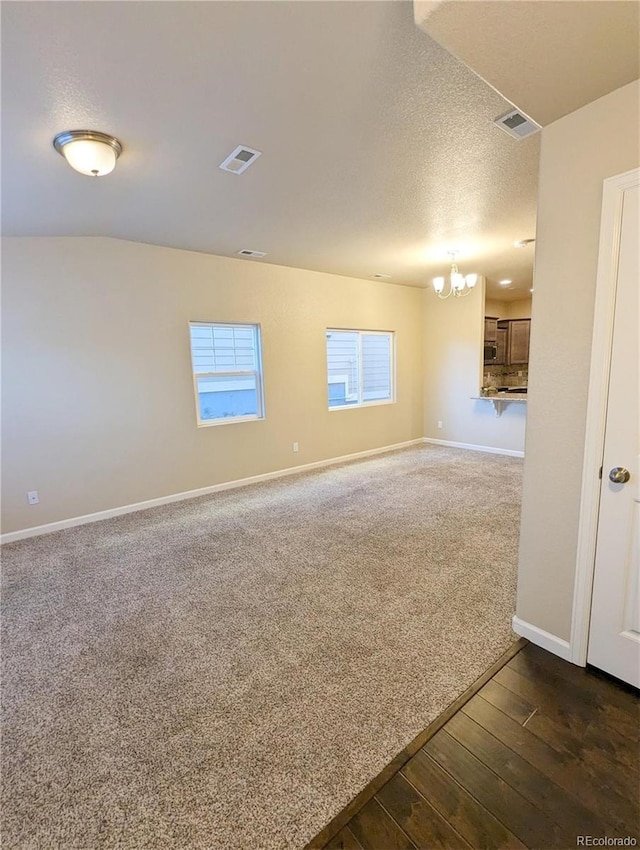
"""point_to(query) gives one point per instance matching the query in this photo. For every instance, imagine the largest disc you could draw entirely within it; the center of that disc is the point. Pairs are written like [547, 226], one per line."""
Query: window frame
[392, 369]
[256, 329]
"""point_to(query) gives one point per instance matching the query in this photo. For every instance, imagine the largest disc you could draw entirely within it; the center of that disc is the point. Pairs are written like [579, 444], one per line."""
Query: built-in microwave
[490, 352]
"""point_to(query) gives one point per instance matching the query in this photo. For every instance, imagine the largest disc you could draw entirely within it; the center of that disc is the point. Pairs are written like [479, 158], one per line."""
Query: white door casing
[608, 543]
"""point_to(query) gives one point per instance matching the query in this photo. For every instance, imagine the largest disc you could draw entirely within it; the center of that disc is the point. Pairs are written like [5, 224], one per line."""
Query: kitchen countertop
[508, 396]
[499, 400]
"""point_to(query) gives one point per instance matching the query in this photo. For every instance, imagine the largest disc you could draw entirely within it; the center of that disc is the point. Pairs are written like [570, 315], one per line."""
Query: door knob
[619, 475]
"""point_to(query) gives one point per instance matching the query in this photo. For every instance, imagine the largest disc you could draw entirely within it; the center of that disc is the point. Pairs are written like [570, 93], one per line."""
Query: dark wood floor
[544, 752]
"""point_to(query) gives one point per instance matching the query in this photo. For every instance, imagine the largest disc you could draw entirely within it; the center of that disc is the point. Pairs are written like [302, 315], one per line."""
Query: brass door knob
[619, 475]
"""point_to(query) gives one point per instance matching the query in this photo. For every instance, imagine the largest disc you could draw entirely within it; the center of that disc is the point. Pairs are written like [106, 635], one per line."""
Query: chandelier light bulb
[471, 280]
[88, 151]
[438, 284]
[457, 281]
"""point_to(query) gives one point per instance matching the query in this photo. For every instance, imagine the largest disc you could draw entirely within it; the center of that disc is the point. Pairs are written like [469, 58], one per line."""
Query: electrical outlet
[295, 447]
[439, 423]
[33, 498]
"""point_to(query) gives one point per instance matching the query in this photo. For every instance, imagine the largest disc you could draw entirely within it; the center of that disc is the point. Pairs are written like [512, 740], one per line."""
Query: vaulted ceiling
[379, 152]
[549, 58]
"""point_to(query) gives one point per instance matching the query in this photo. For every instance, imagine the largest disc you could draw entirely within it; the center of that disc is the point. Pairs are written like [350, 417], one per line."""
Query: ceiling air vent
[247, 253]
[240, 159]
[516, 124]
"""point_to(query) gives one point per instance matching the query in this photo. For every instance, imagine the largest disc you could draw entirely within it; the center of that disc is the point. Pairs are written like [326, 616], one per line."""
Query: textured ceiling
[548, 58]
[378, 148]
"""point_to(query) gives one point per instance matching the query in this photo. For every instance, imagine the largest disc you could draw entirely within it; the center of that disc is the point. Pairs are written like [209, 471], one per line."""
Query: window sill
[229, 420]
[360, 406]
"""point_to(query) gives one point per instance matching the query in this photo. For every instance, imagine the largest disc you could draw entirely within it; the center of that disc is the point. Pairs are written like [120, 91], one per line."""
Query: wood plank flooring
[543, 753]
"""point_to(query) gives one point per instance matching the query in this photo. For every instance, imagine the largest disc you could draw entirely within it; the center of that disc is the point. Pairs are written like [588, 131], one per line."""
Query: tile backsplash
[505, 376]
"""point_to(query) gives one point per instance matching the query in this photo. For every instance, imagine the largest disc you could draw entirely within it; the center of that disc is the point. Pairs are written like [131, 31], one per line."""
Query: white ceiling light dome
[89, 152]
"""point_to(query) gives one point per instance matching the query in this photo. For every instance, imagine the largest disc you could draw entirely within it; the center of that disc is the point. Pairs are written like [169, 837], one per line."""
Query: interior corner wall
[578, 152]
[494, 307]
[520, 309]
[98, 400]
[453, 359]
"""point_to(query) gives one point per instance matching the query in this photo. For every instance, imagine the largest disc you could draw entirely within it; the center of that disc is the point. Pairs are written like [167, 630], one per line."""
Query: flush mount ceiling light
[88, 151]
[505, 282]
[459, 284]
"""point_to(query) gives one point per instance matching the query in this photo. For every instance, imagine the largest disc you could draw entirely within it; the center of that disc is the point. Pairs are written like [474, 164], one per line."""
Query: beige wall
[578, 152]
[494, 308]
[98, 406]
[520, 309]
[453, 355]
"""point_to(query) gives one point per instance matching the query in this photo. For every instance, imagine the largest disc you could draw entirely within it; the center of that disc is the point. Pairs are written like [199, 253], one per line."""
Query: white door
[614, 635]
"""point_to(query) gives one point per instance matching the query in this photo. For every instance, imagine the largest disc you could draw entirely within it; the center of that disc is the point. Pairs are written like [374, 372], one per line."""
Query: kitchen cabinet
[518, 341]
[490, 335]
[512, 342]
[501, 346]
[506, 341]
[490, 329]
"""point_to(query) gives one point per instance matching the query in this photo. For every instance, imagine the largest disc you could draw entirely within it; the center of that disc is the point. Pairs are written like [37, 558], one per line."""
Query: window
[359, 368]
[227, 372]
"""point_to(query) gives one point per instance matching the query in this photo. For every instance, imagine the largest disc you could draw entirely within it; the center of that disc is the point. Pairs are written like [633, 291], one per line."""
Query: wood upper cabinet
[501, 347]
[511, 340]
[490, 329]
[518, 341]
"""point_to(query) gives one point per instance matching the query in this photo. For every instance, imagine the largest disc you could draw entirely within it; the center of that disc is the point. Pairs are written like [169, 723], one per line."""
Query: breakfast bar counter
[500, 400]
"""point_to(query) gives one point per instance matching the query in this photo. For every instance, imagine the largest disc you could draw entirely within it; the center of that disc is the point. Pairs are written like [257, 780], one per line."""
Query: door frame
[613, 193]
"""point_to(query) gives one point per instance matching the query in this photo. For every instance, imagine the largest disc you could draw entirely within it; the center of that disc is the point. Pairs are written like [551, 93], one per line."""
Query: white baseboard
[546, 640]
[491, 449]
[50, 527]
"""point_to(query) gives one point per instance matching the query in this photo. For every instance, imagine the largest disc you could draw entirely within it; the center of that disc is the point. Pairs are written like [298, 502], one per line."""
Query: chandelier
[459, 284]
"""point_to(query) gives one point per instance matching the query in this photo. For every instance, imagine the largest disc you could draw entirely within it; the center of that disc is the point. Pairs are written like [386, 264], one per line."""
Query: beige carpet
[228, 672]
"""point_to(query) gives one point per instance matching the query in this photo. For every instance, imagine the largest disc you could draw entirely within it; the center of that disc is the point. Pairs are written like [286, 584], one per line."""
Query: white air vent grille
[246, 252]
[517, 125]
[240, 159]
